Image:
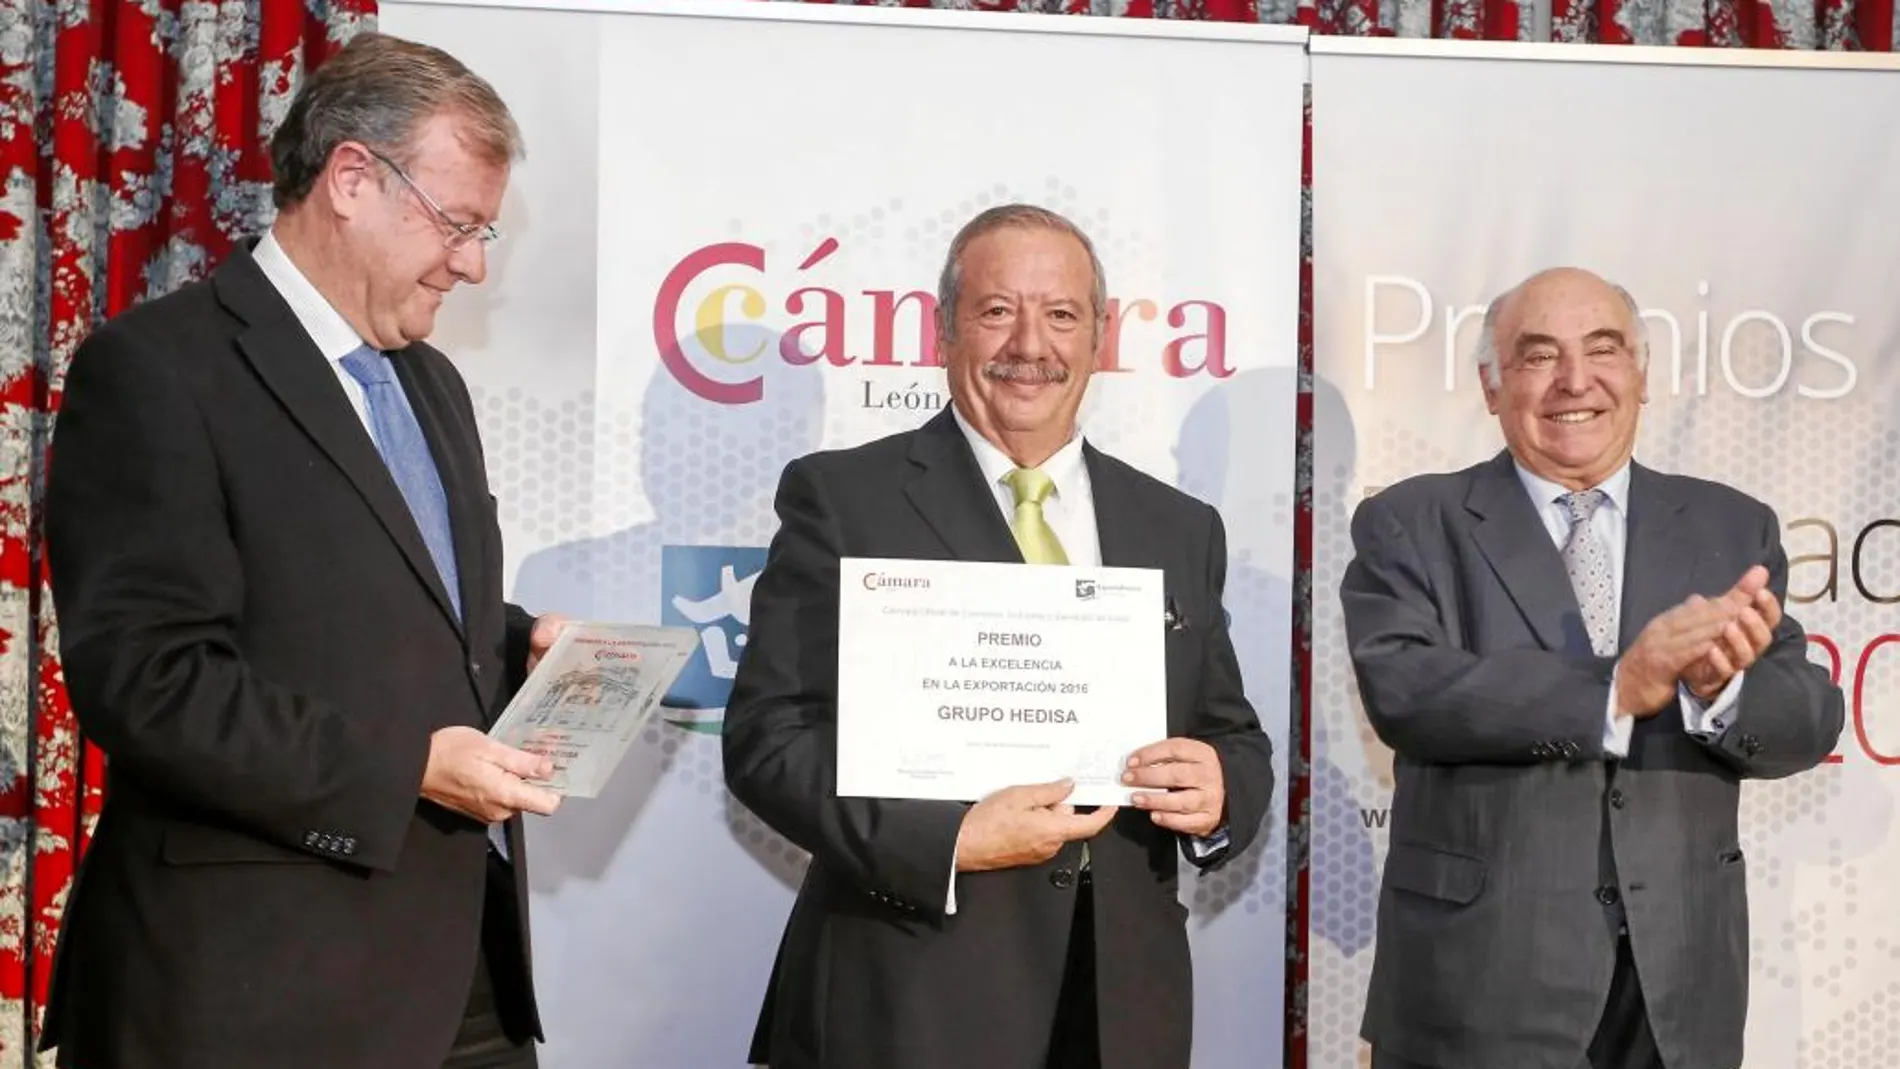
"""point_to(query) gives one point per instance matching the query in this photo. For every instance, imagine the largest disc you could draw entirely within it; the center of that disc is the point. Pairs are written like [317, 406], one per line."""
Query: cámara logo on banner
[714, 291]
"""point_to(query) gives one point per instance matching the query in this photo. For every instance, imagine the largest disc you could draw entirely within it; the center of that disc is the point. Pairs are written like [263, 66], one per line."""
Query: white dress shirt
[1070, 506]
[1610, 523]
[333, 335]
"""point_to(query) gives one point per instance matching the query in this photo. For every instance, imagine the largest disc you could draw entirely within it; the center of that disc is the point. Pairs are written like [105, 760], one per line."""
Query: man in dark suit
[278, 575]
[1576, 661]
[1018, 932]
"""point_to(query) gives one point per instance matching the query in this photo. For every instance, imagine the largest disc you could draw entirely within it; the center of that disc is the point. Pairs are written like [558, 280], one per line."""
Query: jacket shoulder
[1149, 494]
[1416, 497]
[166, 343]
[163, 320]
[880, 456]
[1703, 496]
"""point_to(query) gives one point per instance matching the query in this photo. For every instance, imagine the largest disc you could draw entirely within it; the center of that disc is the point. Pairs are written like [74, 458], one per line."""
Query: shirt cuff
[1616, 729]
[950, 897]
[1200, 848]
[1709, 720]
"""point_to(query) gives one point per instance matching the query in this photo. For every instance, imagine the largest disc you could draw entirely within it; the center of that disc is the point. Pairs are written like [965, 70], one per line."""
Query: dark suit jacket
[1494, 949]
[255, 635]
[871, 973]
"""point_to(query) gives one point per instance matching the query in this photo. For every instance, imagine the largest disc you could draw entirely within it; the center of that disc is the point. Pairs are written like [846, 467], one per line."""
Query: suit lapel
[462, 479]
[1517, 545]
[293, 369]
[1658, 562]
[949, 492]
[1115, 527]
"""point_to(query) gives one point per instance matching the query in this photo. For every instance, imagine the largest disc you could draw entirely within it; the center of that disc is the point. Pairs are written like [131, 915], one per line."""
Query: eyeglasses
[459, 234]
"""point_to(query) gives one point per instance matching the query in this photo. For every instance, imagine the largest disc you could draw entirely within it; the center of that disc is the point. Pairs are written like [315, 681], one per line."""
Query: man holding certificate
[1021, 930]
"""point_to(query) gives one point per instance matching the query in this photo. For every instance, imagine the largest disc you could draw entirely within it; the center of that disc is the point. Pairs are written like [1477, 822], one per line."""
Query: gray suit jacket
[872, 974]
[1496, 944]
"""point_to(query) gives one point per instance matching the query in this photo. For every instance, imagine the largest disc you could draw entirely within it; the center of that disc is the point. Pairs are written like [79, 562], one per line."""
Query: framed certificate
[958, 678]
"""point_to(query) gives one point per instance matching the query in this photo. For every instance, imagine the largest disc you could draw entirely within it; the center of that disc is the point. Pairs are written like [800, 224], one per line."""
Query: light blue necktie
[406, 452]
[399, 439]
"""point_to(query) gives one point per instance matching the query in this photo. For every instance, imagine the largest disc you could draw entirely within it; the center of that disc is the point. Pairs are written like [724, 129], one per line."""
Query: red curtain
[1841, 25]
[133, 153]
[133, 145]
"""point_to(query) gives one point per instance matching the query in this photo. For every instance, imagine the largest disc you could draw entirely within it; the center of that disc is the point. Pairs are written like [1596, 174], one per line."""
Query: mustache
[1025, 371]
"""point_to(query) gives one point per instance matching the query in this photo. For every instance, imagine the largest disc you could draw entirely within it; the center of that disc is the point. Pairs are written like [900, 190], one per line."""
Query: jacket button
[1616, 798]
[1608, 896]
[1751, 744]
[1062, 879]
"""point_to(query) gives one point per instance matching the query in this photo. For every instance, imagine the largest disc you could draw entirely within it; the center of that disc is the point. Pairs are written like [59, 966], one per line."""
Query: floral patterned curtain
[133, 154]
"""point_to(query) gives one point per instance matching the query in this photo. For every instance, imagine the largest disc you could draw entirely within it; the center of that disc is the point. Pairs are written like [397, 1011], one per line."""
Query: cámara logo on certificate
[709, 589]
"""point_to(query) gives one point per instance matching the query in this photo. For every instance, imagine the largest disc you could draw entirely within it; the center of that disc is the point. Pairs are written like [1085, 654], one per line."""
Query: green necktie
[1033, 534]
[1035, 537]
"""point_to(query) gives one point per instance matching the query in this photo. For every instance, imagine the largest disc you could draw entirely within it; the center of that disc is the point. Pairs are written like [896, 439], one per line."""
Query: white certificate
[589, 696]
[958, 678]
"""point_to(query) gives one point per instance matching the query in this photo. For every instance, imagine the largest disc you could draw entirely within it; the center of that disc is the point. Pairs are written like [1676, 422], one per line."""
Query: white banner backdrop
[1750, 211]
[721, 254]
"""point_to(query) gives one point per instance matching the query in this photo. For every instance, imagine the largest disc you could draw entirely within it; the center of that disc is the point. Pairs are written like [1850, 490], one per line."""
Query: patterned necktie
[399, 439]
[1587, 560]
[1033, 534]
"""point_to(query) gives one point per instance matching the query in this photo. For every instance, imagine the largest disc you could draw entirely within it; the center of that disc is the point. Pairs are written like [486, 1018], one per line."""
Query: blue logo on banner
[709, 589]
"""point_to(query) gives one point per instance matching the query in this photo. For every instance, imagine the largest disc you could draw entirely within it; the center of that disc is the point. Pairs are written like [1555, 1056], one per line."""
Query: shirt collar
[1064, 468]
[1616, 488]
[333, 335]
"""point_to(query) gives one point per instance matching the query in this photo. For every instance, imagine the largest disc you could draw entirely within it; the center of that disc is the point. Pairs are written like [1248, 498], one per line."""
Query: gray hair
[379, 90]
[1487, 334]
[950, 282]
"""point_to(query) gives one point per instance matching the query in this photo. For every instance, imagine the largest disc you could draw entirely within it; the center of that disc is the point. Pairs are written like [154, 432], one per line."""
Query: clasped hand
[1701, 644]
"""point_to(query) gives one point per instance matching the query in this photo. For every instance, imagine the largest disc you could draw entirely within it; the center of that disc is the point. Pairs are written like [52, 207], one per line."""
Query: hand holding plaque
[480, 778]
[588, 697]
